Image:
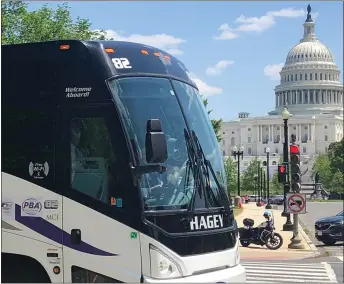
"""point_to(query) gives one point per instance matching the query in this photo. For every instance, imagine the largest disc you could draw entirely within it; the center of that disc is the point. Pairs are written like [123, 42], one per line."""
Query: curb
[307, 239]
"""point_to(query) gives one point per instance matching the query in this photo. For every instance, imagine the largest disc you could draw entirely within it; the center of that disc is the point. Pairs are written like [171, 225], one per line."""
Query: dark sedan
[330, 230]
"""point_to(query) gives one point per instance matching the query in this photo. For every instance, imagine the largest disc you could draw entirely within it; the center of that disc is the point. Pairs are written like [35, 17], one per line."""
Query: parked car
[330, 230]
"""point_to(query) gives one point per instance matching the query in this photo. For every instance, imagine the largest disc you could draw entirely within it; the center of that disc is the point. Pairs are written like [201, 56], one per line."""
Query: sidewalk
[259, 252]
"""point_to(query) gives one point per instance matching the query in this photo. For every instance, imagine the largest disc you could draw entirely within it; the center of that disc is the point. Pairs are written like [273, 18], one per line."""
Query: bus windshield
[142, 98]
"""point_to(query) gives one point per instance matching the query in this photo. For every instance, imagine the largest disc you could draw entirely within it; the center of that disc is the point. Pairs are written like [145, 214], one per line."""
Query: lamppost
[255, 186]
[237, 153]
[267, 150]
[258, 184]
[261, 183]
[313, 135]
[288, 226]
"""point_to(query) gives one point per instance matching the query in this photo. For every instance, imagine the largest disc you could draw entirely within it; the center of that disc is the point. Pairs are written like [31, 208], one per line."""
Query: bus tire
[17, 268]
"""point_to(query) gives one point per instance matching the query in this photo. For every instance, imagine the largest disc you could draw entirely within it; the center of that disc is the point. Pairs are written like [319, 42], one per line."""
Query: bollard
[237, 201]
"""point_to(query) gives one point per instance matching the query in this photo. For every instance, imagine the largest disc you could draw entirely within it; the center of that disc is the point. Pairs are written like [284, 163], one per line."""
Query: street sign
[296, 203]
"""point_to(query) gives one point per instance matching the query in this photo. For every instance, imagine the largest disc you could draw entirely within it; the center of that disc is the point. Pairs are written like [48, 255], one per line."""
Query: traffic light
[295, 169]
[282, 173]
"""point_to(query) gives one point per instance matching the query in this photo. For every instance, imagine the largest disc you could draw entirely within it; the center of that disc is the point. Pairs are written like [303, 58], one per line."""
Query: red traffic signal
[282, 169]
[294, 149]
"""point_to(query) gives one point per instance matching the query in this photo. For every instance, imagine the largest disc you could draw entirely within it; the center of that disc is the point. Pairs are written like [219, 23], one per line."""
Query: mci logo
[31, 207]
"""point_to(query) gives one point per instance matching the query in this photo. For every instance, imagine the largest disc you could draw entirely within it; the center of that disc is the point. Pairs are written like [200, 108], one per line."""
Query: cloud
[226, 33]
[205, 89]
[256, 24]
[219, 67]
[163, 41]
[272, 71]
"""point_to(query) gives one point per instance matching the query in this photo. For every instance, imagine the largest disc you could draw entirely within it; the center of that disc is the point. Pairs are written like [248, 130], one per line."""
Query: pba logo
[31, 207]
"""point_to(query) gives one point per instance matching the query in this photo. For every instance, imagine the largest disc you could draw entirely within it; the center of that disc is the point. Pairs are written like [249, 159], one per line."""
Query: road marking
[330, 271]
[281, 272]
[340, 257]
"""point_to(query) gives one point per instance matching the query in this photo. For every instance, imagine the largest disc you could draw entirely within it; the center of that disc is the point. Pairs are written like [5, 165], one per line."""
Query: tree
[18, 25]
[248, 183]
[330, 167]
[322, 165]
[276, 187]
[231, 176]
[336, 155]
[216, 123]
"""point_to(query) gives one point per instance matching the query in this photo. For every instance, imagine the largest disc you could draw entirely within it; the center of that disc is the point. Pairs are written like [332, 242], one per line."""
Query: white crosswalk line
[279, 272]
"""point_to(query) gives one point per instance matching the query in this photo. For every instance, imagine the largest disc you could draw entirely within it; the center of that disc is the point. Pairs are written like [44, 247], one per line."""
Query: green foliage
[231, 176]
[336, 155]
[18, 25]
[331, 168]
[275, 186]
[248, 183]
[216, 123]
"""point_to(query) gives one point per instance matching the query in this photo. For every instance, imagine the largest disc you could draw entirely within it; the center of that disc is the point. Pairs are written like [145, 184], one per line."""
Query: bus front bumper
[236, 274]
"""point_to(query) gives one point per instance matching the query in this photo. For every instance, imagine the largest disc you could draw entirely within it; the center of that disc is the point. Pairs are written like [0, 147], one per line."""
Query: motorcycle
[259, 235]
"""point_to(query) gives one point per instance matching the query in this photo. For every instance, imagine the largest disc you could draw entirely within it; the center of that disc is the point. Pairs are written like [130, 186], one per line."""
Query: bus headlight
[162, 266]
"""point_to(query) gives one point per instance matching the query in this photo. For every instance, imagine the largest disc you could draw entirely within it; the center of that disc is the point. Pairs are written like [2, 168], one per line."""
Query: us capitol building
[311, 89]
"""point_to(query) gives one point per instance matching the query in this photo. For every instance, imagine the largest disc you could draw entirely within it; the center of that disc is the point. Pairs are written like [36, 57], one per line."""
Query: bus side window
[28, 144]
[92, 158]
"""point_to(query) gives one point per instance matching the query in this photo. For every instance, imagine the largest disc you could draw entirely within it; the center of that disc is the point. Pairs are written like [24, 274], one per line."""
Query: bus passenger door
[100, 208]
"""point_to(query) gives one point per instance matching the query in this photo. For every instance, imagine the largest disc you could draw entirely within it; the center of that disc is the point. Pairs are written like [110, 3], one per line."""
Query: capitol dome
[310, 79]
[308, 51]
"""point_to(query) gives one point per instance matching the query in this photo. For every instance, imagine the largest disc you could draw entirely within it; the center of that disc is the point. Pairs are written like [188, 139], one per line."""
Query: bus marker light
[109, 50]
[144, 52]
[64, 47]
[157, 54]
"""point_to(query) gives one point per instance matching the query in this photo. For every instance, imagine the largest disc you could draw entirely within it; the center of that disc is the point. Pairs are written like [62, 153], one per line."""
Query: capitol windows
[321, 76]
[288, 78]
[249, 151]
[304, 150]
[249, 129]
[249, 140]
[300, 77]
[305, 76]
[325, 76]
[326, 138]
[291, 77]
[232, 141]
[295, 77]
[311, 76]
[316, 76]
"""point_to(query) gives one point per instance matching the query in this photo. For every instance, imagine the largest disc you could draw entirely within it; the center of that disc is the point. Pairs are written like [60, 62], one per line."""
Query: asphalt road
[315, 211]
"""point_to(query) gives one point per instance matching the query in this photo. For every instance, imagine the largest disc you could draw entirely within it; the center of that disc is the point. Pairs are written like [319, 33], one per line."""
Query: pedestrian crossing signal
[282, 173]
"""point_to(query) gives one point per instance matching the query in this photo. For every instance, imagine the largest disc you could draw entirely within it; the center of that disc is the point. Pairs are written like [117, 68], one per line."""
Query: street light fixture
[288, 226]
[237, 153]
[267, 150]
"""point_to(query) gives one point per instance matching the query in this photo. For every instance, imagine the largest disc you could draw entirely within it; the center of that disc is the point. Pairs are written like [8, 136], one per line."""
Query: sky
[234, 50]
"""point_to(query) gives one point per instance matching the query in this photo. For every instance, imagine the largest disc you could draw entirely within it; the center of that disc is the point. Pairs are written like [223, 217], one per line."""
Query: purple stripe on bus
[56, 234]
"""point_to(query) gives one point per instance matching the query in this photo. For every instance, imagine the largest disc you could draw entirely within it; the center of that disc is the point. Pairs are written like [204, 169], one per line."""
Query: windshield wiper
[206, 165]
[192, 163]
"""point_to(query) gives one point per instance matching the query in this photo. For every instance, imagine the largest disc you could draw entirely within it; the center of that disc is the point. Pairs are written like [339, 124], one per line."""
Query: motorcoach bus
[111, 171]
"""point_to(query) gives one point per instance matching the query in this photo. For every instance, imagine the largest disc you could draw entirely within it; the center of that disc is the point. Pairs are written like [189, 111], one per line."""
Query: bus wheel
[17, 268]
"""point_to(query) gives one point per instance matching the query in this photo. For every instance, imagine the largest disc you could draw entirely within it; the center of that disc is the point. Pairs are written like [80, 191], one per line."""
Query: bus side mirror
[156, 146]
